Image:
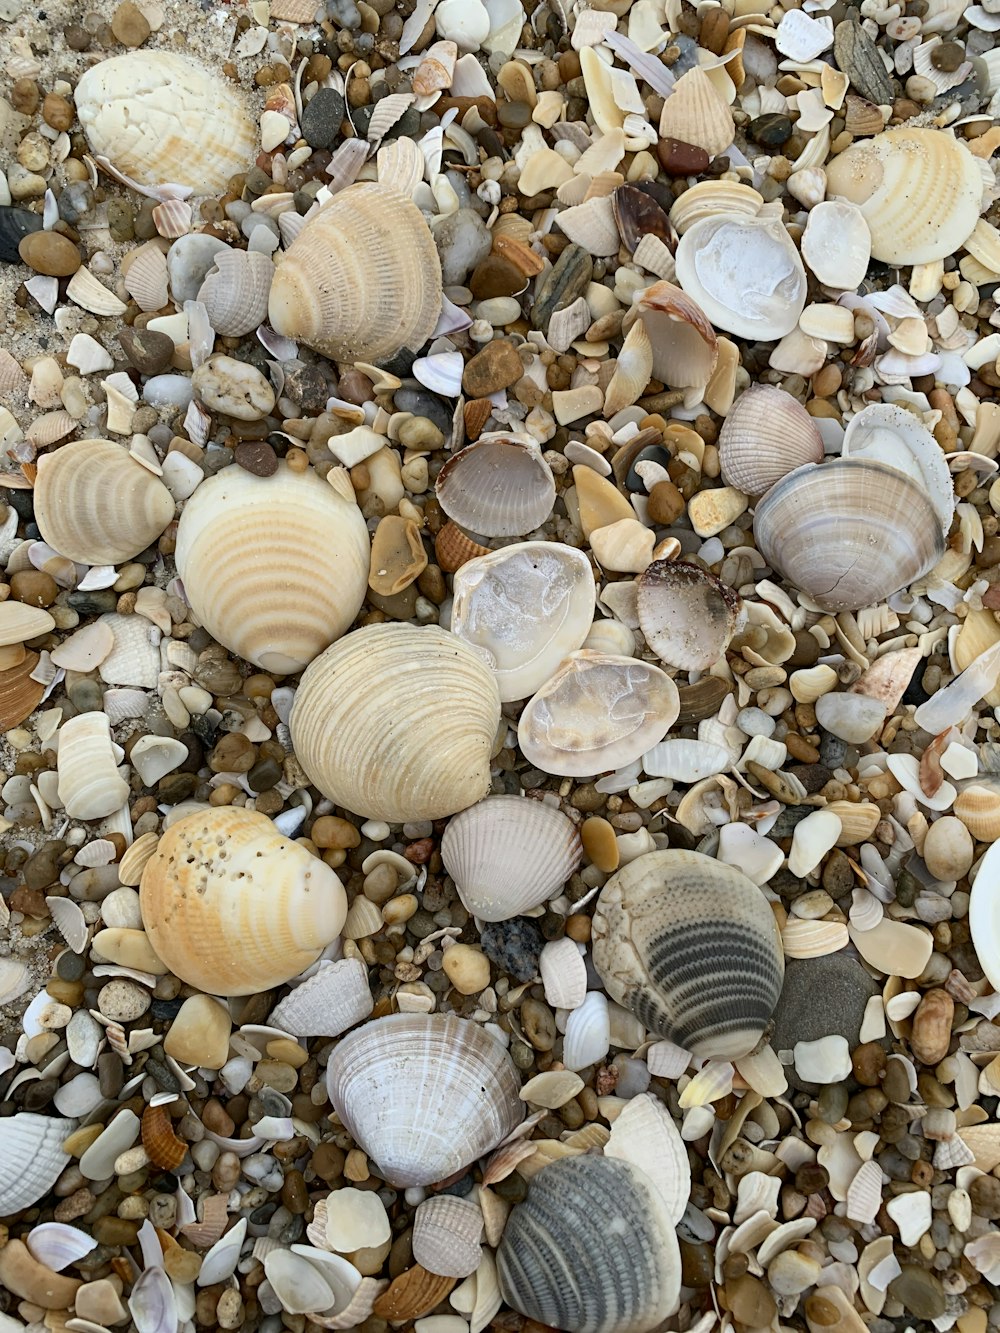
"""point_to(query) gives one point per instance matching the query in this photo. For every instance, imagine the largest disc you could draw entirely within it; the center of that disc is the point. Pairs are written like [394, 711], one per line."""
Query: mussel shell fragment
[15, 224]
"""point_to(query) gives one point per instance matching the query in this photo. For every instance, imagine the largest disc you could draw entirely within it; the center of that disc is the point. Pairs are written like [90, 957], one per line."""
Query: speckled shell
[361, 280]
[690, 946]
[424, 1094]
[592, 1249]
[96, 505]
[31, 1160]
[90, 786]
[235, 291]
[766, 435]
[687, 615]
[295, 555]
[163, 118]
[397, 722]
[233, 907]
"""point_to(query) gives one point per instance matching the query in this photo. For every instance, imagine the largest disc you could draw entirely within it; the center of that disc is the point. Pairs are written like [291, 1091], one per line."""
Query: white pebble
[811, 841]
[825, 1061]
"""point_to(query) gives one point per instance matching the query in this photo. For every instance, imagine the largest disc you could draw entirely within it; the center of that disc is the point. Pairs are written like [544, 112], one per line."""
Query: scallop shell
[499, 486]
[684, 346]
[710, 198]
[920, 191]
[233, 907]
[146, 277]
[508, 855]
[165, 1149]
[361, 280]
[424, 1095]
[32, 1159]
[164, 118]
[687, 615]
[447, 1232]
[837, 244]
[397, 722]
[848, 533]
[525, 606]
[90, 786]
[892, 435]
[592, 1248]
[597, 712]
[275, 608]
[695, 113]
[766, 435]
[326, 1004]
[235, 291]
[94, 503]
[690, 946]
[563, 972]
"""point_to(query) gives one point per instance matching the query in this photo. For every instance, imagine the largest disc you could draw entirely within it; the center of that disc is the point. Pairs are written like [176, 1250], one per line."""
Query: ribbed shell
[276, 567]
[497, 487]
[424, 1095]
[328, 1003]
[163, 118]
[235, 291]
[766, 435]
[508, 854]
[690, 946]
[591, 1249]
[397, 722]
[31, 1160]
[446, 1235]
[90, 786]
[233, 907]
[96, 505]
[361, 280]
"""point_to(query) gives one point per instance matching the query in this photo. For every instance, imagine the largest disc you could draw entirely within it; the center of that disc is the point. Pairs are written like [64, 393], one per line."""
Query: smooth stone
[79, 1096]
[50, 253]
[568, 278]
[100, 1303]
[256, 456]
[129, 24]
[513, 946]
[322, 117]
[233, 388]
[188, 261]
[495, 277]
[678, 158]
[199, 1034]
[123, 1000]
[463, 240]
[820, 997]
[148, 350]
[422, 403]
[854, 718]
[771, 129]
[496, 367]
[129, 948]
[97, 1162]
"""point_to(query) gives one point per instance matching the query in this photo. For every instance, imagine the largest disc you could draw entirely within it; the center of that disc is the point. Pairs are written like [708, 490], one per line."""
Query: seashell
[274, 608]
[70, 922]
[709, 199]
[424, 1095]
[563, 971]
[172, 218]
[686, 760]
[447, 1232]
[498, 486]
[984, 915]
[412, 1294]
[20, 695]
[920, 191]
[812, 939]
[326, 1004]
[848, 533]
[508, 855]
[89, 292]
[235, 291]
[592, 1248]
[50, 427]
[398, 557]
[690, 946]
[20, 622]
[32, 1159]
[837, 244]
[299, 1285]
[161, 117]
[637, 214]
[397, 722]
[588, 1033]
[766, 435]
[645, 1135]
[94, 504]
[892, 435]
[361, 280]
[590, 224]
[453, 548]
[90, 786]
[146, 277]
[57, 1245]
[15, 979]
[233, 907]
[525, 607]
[686, 614]
[979, 810]
[633, 370]
[697, 114]
[684, 346]
[165, 1149]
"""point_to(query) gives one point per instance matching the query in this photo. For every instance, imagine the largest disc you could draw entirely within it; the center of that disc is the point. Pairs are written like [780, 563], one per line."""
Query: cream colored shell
[766, 435]
[90, 786]
[276, 567]
[235, 291]
[96, 505]
[234, 907]
[31, 1160]
[162, 118]
[397, 722]
[361, 280]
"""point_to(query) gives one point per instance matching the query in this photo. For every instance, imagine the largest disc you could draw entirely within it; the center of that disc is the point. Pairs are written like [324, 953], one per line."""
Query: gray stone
[463, 241]
[820, 997]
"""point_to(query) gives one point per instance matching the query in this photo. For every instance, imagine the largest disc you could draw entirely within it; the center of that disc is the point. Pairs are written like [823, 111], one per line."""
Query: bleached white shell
[235, 291]
[588, 1032]
[984, 915]
[563, 971]
[499, 486]
[32, 1158]
[58, 1245]
[299, 1285]
[15, 979]
[90, 786]
[645, 1135]
[70, 921]
[837, 244]
[446, 1235]
[890, 434]
[326, 1004]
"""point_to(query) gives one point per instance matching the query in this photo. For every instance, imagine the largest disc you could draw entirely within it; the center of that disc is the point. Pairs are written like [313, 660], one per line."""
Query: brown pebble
[665, 503]
[57, 112]
[256, 456]
[868, 1062]
[49, 253]
[33, 587]
[750, 1302]
[129, 24]
[678, 158]
[578, 927]
[496, 367]
[24, 96]
[931, 1033]
[148, 350]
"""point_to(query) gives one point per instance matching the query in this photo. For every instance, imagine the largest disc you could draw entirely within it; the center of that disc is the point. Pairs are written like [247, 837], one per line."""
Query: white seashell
[441, 373]
[812, 838]
[172, 218]
[697, 114]
[58, 1245]
[837, 244]
[90, 786]
[135, 659]
[70, 921]
[645, 1135]
[711, 198]
[88, 291]
[551, 1089]
[87, 355]
[588, 1032]
[32, 1159]
[746, 849]
[299, 1285]
[79, 1096]
[686, 614]
[86, 649]
[446, 1235]
[564, 973]
[592, 225]
[686, 760]
[984, 915]
[153, 757]
[235, 291]
[499, 486]
[326, 1004]
[15, 979]
[221, 1260]
[625, 546]
[812, 939]
[665, 1060]
[897, 437]
[146, 277]
[341, 1277]
[633, 370]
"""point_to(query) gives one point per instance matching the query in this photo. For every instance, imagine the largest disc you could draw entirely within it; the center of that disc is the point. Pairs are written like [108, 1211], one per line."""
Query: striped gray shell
[690, 946]
[591, 1249]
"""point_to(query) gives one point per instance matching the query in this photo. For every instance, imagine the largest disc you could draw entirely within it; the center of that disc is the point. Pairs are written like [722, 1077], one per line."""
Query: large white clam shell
[499, 486]
[328, 1003]
[31, 1160]
[890, 434]
[766, 434]
[90, 786]
[984, 915]
[424, 1094]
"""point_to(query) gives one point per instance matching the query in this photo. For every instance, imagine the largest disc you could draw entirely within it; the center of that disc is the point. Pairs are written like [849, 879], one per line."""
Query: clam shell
[892, 435]
[397, 722]
[94, 503]
[710, 198]
[837, 244]
[32, 1159]
[57, 1245]
[597, 712]
[687, 615]
[273, 608]
[695, 113]
[984, 916]
[979, 810]
[848, 533]
[235, 291]
[164, 118]
[90, 786]
[447, 1232]
[15, 979]
[690, 946]
[684, 346]
[424, 1095]
[508, 855]
[498, 486]
[526, 606]
[588, 1032]
[20, 622]
[326, 1004]
[233, 907]
[645, 1135]
[361, 280]
[592, 1248]
[766, 434]
[299, 1285]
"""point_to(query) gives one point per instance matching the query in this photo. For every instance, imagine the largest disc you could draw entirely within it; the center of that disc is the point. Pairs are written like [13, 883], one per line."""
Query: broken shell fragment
[697, 114]
[683, 342]
[333, 999]
[837, 244]
[984, 916]
[687, 615]
[90, 786]
[766, 434]
[499, 486]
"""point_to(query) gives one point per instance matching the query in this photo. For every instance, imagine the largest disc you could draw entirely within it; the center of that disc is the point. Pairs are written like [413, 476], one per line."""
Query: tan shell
[96, 505]
[361, 280]
[235, 291]
[684, 346]
[709, 198]
[19, 694]
[20, 622]
[979, 810]
[90, 786]
[695, 113]
[453, 548]
[397, 722]
[499, 486]
[766, 435]
[275, 607]
[146, 277]
[234, 907]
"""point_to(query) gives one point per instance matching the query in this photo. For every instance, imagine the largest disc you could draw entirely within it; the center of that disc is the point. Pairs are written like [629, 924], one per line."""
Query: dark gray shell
[15, 224]
[591, 1249]
[690, 946]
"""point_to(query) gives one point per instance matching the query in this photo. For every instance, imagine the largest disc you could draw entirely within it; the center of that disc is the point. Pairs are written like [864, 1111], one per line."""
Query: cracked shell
[687, 615]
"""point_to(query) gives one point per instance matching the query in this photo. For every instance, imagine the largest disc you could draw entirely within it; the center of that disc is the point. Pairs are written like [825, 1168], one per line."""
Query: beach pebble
[50, 253]
[466, 968]
[233, 388]
[948, 849]
[825, 1061]
[854, 718]
[463, 241]
[356, 1220]
[123, 1000]
[199, 1034]
[321, 118]
[821, 997]
[496, 367]
[513, 946]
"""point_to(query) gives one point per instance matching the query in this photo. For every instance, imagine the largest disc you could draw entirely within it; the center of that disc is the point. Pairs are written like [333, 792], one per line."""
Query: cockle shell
[645, 1135]
[96, 505]
[273, 608]
[697, 114]
[233, 907]
[397, 722]
[32, 1158]
[591, 1249]
[328, 1003]
[711, 198]
[766, 435]
[146, 277]
[920, 191]
[162, 118]
[690, 946]
[892, 435]
[508, 854]
[588, 1032]
[687, 615]
[90, 786]
[361, 280]
[446, 1235]
[849, 533]
[526, 606]
[424, 1095]
[235, 291]
[499, 486]
[683, 343]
